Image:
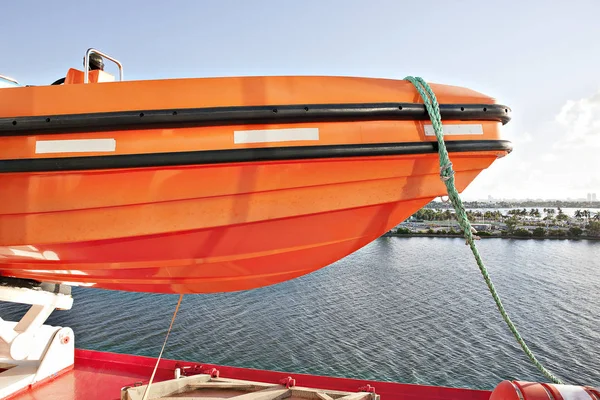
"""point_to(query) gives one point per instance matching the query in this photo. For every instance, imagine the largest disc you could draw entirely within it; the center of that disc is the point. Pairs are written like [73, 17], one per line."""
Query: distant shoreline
[512, 204]
[408, 235]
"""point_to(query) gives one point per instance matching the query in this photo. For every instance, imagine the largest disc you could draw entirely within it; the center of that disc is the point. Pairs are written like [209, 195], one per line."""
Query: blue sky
[540, 58]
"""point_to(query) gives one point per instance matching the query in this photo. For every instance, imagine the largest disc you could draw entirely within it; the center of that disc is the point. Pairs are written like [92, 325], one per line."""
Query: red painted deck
[100, 375]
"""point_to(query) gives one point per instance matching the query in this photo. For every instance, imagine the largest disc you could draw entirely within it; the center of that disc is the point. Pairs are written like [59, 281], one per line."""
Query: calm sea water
[411, 310]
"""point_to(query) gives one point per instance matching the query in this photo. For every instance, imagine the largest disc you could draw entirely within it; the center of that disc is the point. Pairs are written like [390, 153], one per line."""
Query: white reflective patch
[572, 392]
[75, 146]
[275, 135]
[456, 129]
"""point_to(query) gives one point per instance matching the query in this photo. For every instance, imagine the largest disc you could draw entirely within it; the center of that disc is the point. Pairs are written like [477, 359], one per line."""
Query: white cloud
[580, 121]
[516, 136]
[526, 137]
[551, 159]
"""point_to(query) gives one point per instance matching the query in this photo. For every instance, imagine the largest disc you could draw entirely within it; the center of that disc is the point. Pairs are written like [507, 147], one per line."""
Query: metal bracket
[29, 350]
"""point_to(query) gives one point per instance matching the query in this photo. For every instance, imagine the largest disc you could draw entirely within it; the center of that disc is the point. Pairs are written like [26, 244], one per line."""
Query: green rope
[447, 175]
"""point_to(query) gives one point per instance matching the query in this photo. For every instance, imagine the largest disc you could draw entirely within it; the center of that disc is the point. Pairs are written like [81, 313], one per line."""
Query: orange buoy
[519, 390]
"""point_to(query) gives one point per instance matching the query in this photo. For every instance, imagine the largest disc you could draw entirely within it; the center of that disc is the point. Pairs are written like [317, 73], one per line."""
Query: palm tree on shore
[447, 214]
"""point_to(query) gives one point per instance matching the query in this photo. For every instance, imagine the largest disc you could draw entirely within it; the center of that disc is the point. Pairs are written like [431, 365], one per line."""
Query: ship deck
[101, 375]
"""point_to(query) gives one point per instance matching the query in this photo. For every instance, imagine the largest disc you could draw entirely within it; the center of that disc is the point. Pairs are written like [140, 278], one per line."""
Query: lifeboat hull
[210, 204]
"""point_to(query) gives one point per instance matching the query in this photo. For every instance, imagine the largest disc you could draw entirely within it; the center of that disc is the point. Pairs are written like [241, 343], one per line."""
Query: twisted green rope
[447, 175]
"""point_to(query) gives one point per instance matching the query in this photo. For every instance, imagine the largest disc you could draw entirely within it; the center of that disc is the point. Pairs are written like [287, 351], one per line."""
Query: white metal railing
[8, 78]
[86, 63]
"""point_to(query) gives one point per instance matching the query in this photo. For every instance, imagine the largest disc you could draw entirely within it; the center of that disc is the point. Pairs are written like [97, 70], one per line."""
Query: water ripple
[410, 310]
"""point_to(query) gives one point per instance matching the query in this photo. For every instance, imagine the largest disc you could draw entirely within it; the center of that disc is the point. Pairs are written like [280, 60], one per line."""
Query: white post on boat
[29, 350]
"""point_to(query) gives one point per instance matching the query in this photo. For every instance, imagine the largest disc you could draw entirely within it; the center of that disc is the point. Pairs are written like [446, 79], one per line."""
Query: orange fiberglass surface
[220, 184]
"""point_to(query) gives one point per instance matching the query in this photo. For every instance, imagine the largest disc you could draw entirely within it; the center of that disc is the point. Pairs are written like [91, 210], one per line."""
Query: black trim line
[245, 115]
[245, 155]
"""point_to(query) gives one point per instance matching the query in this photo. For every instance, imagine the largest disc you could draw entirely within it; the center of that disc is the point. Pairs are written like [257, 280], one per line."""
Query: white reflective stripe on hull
[75, 146]
[275, 135]
[456, 129]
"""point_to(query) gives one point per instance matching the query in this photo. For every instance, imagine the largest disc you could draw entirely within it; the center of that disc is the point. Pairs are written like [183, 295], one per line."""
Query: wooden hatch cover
[205, 387]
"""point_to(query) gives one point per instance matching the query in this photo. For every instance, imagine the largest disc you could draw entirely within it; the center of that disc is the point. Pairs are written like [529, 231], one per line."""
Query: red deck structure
[101, 375]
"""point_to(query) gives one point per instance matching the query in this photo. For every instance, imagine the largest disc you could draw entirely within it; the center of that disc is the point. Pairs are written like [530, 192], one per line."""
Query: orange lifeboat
[219, 184]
